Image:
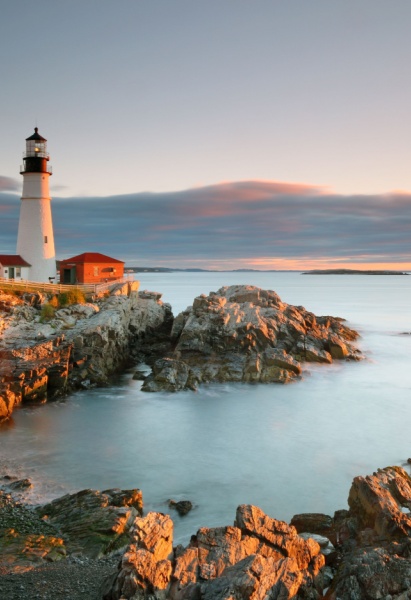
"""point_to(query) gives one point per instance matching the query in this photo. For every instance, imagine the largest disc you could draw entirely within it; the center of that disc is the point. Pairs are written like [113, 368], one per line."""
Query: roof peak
[36, 136]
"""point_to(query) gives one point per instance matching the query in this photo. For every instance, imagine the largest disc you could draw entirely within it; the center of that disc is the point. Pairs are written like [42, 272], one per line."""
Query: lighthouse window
[45, 239]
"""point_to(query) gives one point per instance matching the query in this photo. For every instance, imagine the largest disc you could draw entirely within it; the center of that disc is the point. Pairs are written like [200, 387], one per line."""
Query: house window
[95, 271]
[18, 272]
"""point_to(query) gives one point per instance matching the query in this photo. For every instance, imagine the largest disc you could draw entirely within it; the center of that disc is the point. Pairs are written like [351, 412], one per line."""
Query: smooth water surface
[288, 449]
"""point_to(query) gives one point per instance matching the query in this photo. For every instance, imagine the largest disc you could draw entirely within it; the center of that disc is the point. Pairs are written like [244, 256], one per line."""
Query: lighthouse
[35, 239]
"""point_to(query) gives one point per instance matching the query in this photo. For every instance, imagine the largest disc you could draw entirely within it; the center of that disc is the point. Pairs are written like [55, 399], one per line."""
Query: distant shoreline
[351, 272]
[313, 272]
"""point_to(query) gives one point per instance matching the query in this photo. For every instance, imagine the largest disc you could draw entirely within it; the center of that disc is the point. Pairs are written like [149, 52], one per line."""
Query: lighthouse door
[11, 272]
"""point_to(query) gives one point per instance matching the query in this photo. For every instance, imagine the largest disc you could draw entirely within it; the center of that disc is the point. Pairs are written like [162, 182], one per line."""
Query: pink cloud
[227, 198]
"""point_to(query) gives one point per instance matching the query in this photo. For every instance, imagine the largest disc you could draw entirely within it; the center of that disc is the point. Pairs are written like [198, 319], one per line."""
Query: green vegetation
[48, 310]
[74, 296]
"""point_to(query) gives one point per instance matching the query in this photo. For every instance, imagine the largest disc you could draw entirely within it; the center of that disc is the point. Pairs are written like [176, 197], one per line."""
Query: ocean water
[287, 449]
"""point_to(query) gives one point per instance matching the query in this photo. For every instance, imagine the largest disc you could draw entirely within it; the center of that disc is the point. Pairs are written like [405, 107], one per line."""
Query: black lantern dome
[35, 157]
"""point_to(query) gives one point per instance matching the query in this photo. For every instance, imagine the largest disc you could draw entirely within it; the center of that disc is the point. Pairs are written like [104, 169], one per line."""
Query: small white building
[13, 266]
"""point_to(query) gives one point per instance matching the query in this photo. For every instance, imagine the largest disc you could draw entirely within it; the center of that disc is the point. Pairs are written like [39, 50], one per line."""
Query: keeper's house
[13, 266]
[90, 267]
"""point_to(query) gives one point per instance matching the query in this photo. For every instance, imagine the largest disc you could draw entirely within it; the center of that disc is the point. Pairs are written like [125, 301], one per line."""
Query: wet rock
[21, 484]
[183, 507]
[140, 375]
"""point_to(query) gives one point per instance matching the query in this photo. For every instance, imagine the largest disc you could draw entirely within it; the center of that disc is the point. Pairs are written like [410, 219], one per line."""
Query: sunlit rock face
[81, 345]
[258, 557]
[244, 333]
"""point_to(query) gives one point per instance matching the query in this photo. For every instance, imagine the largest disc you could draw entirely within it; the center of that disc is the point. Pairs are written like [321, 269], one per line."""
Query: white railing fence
[58, 288]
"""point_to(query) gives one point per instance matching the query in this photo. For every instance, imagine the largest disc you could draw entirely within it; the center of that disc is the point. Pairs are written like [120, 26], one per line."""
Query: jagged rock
[145, 568]
[244, 333]
[259, 557]
[258, 577]
[379, 501]
[183, 507]
[94, 523]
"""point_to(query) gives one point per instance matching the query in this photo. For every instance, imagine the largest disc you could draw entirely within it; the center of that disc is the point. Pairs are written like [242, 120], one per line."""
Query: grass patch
[74, 296]
[47, 312]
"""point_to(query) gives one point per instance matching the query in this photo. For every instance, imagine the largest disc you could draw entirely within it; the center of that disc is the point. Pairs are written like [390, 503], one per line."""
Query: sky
[214, 133]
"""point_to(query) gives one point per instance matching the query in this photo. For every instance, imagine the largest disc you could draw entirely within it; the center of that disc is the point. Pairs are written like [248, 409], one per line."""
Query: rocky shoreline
[239, 333]
[101, 545]
[82, 346]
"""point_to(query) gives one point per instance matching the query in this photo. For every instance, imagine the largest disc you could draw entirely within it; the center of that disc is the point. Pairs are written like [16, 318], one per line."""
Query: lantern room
[35, 157]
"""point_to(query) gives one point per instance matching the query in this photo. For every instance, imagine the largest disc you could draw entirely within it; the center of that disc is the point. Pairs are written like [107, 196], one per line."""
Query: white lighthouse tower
[35, 240]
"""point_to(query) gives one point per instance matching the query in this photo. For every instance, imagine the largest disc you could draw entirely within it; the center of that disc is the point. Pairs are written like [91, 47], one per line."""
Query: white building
[35, 240]
[13, 266]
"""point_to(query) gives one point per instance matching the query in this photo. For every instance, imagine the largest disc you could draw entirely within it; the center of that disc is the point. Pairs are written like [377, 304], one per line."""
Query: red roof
[13, 260]
[92, 257]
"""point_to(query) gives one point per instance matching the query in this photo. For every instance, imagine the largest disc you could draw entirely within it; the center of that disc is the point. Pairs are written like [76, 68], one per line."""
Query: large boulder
[244, 333]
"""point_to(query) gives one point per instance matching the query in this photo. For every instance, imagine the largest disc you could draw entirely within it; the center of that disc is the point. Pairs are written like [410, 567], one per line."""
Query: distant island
[351, 272]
